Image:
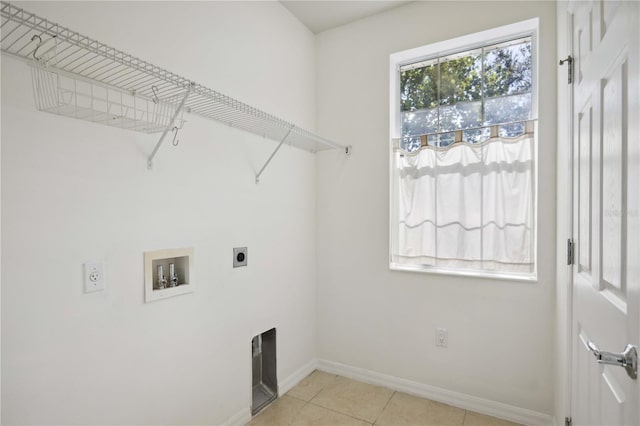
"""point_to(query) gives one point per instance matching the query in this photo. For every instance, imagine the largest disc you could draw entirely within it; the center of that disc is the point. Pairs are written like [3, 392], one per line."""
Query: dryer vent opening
[264, 380]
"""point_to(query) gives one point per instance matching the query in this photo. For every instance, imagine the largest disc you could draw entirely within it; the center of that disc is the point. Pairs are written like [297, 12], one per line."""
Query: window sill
[425, 269]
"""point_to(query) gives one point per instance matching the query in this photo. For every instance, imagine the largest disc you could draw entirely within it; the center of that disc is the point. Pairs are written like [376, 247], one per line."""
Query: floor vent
[264, 380]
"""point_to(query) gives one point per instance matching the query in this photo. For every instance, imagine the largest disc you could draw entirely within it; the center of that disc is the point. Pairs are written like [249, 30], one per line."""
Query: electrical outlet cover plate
[94, 279]
[442, 337]
[240, 257]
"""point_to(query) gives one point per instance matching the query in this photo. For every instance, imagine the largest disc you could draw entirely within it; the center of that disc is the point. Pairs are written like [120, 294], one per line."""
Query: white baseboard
[467, 402]
[285, 385]
[241, 418]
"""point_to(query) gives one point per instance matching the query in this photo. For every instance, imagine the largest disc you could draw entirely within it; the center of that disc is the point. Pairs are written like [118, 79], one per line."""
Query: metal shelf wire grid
[65, 95]
[27, 36]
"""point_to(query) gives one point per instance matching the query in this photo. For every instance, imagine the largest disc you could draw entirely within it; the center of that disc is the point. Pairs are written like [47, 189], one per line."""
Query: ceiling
[320, 15]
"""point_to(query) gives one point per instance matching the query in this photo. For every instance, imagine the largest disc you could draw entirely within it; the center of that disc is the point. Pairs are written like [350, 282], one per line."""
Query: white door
[606, 209]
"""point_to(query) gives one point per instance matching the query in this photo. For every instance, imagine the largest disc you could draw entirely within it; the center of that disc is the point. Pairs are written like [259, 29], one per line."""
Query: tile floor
[323, 399]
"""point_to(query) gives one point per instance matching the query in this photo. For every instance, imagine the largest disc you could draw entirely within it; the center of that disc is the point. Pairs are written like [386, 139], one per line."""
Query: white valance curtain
[467, 206]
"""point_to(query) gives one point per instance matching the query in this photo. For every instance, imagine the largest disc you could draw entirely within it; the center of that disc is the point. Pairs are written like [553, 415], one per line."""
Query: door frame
[564, 218]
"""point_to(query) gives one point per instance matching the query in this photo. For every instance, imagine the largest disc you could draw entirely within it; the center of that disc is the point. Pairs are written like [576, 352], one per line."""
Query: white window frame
[526, 28]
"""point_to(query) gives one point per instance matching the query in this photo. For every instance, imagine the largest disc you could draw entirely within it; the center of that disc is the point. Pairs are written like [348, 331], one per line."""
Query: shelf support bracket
[273, 154]
[169, 128]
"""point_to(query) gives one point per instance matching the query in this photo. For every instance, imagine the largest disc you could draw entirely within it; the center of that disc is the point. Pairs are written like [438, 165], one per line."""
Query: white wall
[500, 332]
[74, 191]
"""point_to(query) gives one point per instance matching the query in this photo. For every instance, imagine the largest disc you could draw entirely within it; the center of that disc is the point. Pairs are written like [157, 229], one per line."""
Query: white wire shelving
[64, 52]
[66, 95]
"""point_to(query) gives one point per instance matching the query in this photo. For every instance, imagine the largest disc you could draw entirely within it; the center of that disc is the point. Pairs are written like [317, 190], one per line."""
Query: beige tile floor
[323, 399]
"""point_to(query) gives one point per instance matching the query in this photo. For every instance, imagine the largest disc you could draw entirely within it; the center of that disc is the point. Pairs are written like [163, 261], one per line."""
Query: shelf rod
[169, 127]
[273, 154]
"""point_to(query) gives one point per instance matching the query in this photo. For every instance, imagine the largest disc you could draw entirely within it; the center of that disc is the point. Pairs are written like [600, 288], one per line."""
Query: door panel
[584, 209]
[613, 400]
[609, 9]
[612, 186]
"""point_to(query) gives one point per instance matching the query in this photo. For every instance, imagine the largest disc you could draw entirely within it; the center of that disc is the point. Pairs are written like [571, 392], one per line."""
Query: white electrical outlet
[94, 279]
[442, 337]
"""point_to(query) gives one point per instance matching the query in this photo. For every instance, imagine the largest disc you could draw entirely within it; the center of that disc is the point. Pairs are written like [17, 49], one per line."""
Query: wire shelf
[66, 95]
[28, 36]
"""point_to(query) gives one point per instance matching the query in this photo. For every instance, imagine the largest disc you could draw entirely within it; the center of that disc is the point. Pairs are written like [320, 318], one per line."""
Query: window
[463, 149]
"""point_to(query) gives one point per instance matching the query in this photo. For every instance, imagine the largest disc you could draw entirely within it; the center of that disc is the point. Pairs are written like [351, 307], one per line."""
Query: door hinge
[570, 251]
[567, 421]
[569, 61]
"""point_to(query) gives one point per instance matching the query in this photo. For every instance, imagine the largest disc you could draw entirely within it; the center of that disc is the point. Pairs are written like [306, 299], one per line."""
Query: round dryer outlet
[239, 257]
